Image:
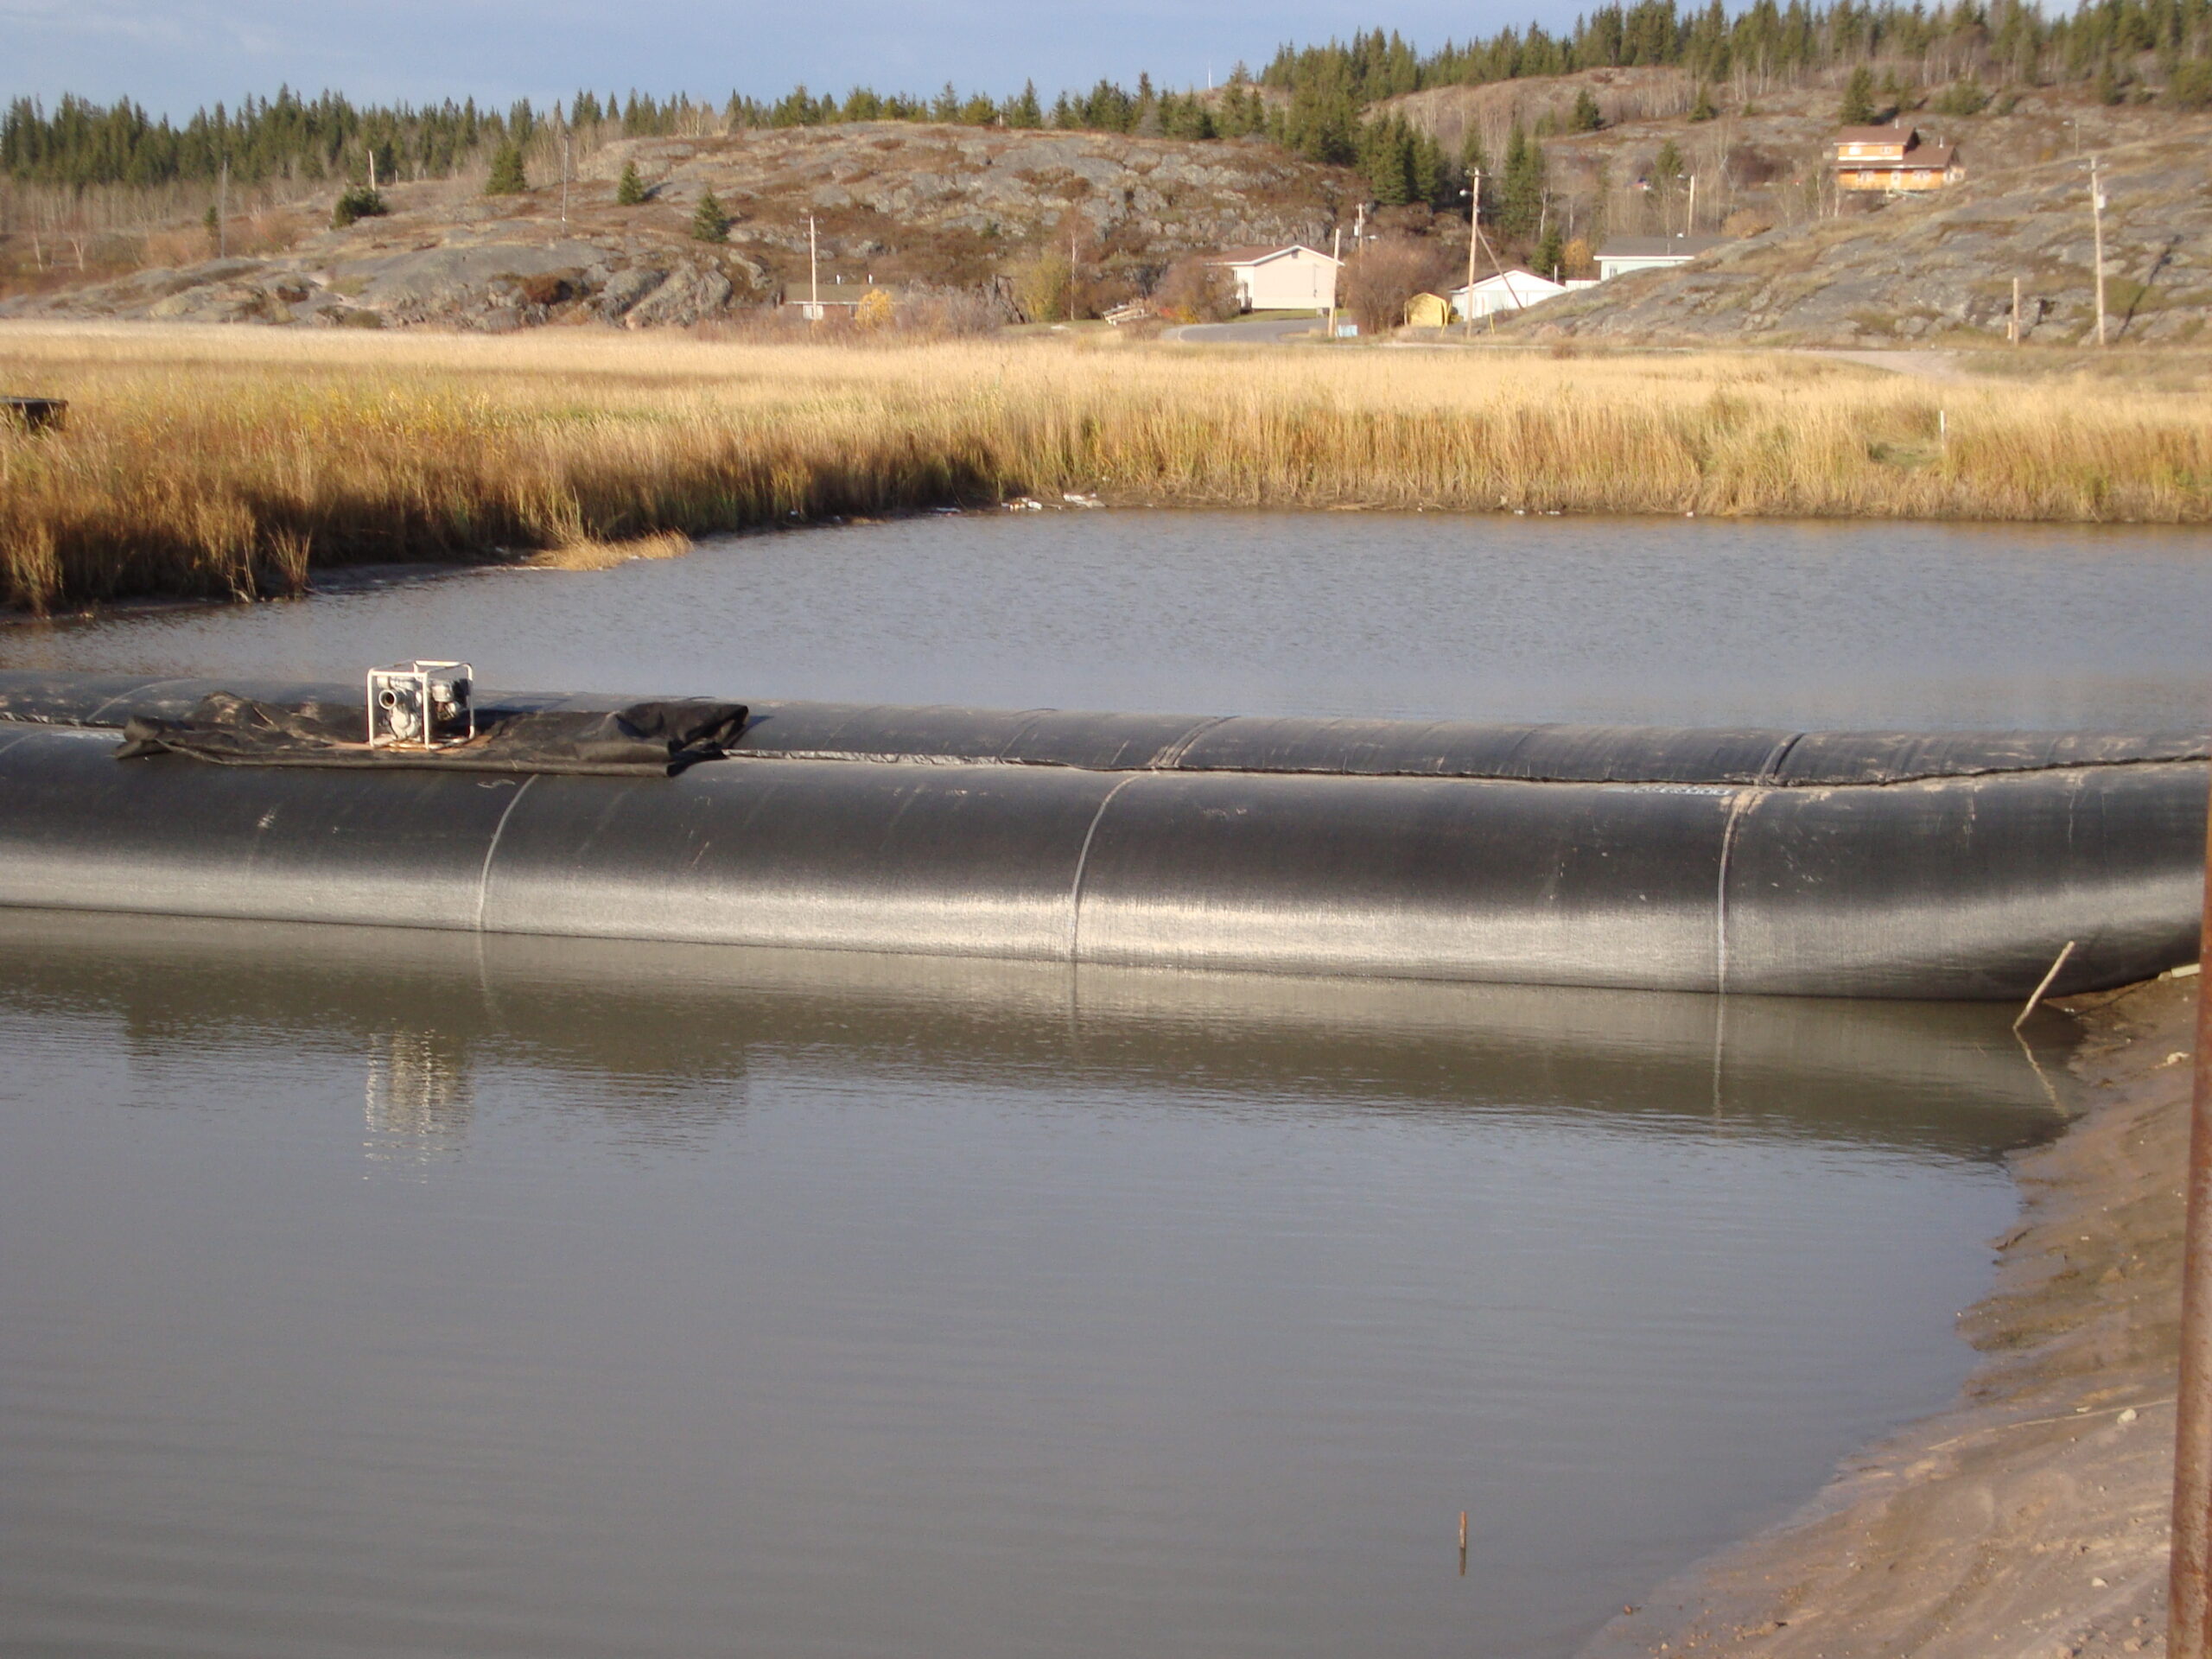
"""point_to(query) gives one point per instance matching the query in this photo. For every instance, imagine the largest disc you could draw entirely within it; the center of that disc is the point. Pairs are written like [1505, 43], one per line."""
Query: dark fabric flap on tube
[643, 739]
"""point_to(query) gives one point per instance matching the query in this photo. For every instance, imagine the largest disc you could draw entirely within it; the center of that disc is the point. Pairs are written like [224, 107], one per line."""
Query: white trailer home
[1292, 278]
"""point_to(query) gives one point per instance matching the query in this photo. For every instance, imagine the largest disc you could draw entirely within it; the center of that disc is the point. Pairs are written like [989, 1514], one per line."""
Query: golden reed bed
[212, 460]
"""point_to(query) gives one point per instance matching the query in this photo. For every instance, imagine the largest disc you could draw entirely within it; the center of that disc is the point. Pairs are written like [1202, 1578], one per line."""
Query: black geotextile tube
[1953, 866]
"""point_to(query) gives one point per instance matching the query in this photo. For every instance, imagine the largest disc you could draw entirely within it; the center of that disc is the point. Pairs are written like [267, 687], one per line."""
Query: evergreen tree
[708, 222]
[1703, 108]
[1587, 117]
[506, 178]
[1551, 252]
[631, 189]
[1521, 194]
[1026, 112]
[1858, 109]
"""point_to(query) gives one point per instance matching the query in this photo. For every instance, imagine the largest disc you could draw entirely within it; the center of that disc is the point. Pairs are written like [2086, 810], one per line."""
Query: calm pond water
[1668, 621]
[375, 1292]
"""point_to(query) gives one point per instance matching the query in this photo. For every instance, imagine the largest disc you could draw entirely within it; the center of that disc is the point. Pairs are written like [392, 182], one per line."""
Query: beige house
[1893, 161]
[1626, 253]
[1293, 278]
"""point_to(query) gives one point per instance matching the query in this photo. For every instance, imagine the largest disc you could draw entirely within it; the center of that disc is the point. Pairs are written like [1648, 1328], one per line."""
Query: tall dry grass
[233, 460]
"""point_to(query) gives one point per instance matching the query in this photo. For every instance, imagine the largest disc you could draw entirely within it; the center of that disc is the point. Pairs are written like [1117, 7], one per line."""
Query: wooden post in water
[2188, 1622]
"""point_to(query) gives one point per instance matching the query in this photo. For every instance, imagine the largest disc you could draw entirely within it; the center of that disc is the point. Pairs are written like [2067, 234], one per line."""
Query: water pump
[421, 705]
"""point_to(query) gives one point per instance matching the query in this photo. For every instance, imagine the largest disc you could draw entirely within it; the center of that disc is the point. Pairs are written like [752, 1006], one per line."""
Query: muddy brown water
[377, 1292]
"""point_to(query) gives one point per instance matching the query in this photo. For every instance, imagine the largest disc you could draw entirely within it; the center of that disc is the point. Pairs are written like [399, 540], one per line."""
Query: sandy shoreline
[2030, 1520]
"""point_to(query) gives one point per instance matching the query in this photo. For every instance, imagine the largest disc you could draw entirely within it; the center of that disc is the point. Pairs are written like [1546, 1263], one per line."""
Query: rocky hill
[932, 208]
[1940, 270]
[1760, 161]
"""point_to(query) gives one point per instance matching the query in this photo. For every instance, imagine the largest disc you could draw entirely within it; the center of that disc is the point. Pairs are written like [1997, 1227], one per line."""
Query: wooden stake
[2015, 311]
[2045, 986]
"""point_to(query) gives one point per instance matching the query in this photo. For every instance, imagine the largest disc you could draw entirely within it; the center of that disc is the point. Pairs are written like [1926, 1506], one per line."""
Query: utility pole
[1337, 253]
[2097, 218]
[813, 275]
[1072, 236]
[223, 211]
[564, 179]
[1474, 236]
[2014, 331]
[1690, 223]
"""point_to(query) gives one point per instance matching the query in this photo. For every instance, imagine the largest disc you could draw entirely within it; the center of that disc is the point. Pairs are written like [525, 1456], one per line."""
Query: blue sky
[173, 55]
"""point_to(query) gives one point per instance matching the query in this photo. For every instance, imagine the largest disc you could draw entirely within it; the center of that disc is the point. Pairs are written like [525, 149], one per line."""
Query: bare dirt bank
[2029, 1521]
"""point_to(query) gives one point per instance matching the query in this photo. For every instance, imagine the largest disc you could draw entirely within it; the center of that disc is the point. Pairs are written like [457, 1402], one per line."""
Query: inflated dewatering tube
[1827, 863]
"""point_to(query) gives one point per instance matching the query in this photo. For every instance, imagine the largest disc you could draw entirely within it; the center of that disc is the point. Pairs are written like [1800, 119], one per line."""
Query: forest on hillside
[82, 170]
[1315, 100]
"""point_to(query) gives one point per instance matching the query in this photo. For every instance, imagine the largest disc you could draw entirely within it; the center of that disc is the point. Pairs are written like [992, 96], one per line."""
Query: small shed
[1292, 278]
[1510, 291]
[1427, 311]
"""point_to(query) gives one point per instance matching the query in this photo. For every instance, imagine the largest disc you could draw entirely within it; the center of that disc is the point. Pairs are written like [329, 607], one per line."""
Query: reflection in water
[661, 1036]
[816, 1304]
[417, 1102]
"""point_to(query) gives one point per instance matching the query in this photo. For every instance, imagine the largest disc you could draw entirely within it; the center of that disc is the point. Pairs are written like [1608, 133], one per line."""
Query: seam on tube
[1745, 799]
[1083, 865]
[1770, 771]
[483, 876]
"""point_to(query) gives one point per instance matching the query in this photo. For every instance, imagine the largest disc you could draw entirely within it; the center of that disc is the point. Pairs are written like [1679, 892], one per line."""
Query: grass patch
[231, 461]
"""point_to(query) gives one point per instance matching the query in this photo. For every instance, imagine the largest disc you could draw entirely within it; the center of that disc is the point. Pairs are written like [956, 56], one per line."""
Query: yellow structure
[1893, 161]
[1427, 311]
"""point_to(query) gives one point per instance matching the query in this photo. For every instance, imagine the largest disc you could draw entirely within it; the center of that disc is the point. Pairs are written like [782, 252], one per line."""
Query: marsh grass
[233, 462]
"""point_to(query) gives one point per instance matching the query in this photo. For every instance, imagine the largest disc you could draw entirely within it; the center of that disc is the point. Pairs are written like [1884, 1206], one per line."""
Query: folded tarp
[645, 738]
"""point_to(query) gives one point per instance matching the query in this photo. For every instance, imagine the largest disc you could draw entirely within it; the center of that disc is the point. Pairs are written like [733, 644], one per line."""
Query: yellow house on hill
[1893, 161]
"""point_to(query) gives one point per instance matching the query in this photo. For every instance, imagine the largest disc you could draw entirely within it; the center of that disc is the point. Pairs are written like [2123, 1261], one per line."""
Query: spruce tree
[1858, 109]
[1522, 199]
[631, 189]
[708, 222]
[1703, 108]
[506, 178]
[1587, 117]
[1551, 252]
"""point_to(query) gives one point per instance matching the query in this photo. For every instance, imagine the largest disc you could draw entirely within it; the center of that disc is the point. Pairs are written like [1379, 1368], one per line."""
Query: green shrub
[357, 201]
[2189, 86]
[632, 190]
[1963, 97]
